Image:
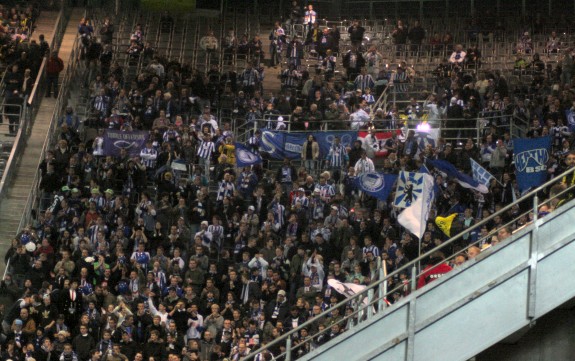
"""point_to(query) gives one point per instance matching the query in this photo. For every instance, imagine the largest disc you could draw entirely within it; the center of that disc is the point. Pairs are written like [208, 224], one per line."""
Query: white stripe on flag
[480, 174]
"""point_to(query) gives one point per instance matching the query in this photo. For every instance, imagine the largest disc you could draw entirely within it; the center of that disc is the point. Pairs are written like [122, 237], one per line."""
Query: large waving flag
[245, 157]
[531, 157]
[377, 185]
[480, 174]
[414, 217]
[463, 179]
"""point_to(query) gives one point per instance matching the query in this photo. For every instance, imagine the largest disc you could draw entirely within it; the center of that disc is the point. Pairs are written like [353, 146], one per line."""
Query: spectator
[310, 17]
[294, 16]
[277, 37]
[107, 32]
[400, 34]
[458, 56]
[310, 154]
[356, 33]
[416, 35]
[353, 61]
[54, 66]
[553, 43]
[525, 44]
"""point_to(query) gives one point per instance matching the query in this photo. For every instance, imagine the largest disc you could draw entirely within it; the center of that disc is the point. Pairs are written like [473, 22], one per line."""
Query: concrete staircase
[45, 24]
[272, 82]
[13, 205]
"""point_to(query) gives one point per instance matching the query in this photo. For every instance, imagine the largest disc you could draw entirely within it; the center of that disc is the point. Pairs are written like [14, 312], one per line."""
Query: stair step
[12, 206]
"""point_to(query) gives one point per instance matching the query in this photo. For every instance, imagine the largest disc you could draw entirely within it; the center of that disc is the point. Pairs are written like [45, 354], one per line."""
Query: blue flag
[463, 179]
[245, 157]
[531, 157]
[480, 174]
[377, 185]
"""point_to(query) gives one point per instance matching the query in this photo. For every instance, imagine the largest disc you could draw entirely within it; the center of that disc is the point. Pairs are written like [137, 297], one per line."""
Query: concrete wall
[551, 339]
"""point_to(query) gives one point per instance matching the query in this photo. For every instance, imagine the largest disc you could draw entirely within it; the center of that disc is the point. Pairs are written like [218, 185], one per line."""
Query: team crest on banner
[409, 187]
[376, 184]
[531, 157]
[245, 157]
[116, 140]
[372, 182]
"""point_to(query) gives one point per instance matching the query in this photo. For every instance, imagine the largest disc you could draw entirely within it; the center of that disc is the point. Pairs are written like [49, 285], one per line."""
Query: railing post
[369, 303]
[477, 126]
[413, 278]
[535, 208]
[511, 127]
[381, 291]
[288, 349]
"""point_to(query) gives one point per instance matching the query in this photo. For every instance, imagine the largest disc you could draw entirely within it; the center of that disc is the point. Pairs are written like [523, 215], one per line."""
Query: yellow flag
[445, 223]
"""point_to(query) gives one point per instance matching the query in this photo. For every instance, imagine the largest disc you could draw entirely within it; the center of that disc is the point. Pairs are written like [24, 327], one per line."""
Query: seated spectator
[553, 43]
[458, 56]
[525, 44]
[209, 43]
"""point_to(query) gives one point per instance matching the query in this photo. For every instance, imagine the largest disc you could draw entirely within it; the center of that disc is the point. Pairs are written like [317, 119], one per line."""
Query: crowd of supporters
[16, 26]
[20, 59]
[175, 253]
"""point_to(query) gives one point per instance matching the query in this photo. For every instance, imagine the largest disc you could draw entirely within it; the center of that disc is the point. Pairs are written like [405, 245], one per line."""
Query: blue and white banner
[245, 157]
[480, 174]
[376, 184]
[414, 217]
[133, 142]
[280, 145]
[463, 179]
[531, 157]
[426, 136]
[409, 188]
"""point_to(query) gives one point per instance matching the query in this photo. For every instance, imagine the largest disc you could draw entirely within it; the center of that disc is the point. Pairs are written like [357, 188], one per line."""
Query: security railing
[33, 105]
[27, 116]
[366, 304]
[28, 111]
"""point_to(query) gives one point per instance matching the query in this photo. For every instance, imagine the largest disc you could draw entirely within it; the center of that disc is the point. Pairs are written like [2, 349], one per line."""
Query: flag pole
[419, 258]
[423, 225]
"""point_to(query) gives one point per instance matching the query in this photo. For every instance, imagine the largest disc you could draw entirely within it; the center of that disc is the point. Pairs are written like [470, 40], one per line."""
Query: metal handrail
[29, 113]
[26, 117]
[33, 196]
[409, 267]
[381, 101]
[15, 153]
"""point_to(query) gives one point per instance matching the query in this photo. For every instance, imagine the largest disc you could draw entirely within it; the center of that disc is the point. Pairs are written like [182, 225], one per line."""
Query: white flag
[414, 217]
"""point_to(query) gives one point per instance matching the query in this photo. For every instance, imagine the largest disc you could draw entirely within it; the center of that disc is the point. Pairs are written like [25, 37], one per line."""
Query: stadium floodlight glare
[423, 127]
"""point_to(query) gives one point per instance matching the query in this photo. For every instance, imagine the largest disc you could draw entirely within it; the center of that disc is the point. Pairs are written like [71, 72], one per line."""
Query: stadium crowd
[136, 258]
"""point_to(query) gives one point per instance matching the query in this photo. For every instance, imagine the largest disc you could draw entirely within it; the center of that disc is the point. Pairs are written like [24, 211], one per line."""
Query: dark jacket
[83, 345]
[282, 312]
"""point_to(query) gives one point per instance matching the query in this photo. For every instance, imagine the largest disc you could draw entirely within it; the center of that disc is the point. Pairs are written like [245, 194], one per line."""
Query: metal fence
[30, 110]
[374, 298]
